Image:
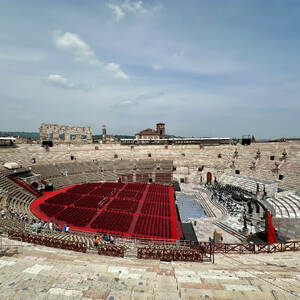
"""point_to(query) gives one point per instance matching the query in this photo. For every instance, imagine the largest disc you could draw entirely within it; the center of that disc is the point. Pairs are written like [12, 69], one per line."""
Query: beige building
[150, 134]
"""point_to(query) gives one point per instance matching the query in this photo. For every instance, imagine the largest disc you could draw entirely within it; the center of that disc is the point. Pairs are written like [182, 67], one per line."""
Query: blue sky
[205, 68]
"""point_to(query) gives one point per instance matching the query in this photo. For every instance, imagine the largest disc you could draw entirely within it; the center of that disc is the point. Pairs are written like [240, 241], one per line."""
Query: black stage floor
[188, 232]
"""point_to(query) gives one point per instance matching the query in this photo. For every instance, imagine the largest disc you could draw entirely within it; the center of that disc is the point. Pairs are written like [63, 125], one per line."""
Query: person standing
[2, 213]
[96, 241]
[51, 226]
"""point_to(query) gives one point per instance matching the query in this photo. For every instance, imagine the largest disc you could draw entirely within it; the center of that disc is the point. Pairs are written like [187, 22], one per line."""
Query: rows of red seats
[76, 216]
[123, 205]
[156, 209]
[84, 188]
[110, 192]
[135, 187]
[63, 198]
[153, 226]
[156, 188]
[113, 221]
[130, 195]
[92, 201]
[50, 210]
[113, 185]
[157, 198]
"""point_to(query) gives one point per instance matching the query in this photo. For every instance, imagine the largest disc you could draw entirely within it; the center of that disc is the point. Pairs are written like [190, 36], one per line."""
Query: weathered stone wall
[287, 227]
[56, 129]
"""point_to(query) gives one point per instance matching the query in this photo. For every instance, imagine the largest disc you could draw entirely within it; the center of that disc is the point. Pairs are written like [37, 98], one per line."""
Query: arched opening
[150, 180]
[49, 134]
[72, 135]
[83, 136]
[61, 134]
[208, 177]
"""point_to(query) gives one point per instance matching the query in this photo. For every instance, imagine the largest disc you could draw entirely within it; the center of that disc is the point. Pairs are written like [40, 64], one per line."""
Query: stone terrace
[37, 272]
[186, 158]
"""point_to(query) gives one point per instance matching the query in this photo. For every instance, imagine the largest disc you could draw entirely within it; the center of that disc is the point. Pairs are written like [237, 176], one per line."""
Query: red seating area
[63, 199]
[140, 187]
[102, 191]
[75, 216]
[113, 222]
[83, 188]
[92, 201]
[50, 210]
[134, 195]
[157, 188]
[156, 209]
[123, 205]
[157, 198]
[153, 226]
[129, 209]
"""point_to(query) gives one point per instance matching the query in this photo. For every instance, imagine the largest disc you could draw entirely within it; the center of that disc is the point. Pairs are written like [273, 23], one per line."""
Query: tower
[161, 130]
[104, 134]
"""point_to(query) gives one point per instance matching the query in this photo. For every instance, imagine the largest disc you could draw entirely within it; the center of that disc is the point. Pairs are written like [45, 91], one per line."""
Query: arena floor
[124, 209]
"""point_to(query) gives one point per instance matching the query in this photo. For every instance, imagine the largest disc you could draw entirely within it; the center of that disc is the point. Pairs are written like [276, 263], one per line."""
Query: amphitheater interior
[43, 265]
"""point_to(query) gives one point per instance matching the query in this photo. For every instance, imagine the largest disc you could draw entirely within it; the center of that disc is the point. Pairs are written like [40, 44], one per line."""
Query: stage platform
[123, 209]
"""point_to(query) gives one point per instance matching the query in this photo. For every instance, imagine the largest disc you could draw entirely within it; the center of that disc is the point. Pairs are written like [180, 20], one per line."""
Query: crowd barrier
[47, 241]
[111, 250]
[170, 254]
[250, 248]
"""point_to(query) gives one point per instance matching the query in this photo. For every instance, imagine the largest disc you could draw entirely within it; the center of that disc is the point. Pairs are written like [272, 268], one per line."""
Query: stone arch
[62, 134]
[72, 134]
[65, 134]
[49, 134]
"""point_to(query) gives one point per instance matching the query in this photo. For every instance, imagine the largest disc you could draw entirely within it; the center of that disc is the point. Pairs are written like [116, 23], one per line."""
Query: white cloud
[134, 6]
[116, 70]
[60, 81]
[157, 67]
[128, 6]
[117, 11]
[70, 42]
[82, 52]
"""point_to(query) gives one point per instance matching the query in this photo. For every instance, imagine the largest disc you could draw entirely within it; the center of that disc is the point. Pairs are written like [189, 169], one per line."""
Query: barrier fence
[163, 250]
[47, 241]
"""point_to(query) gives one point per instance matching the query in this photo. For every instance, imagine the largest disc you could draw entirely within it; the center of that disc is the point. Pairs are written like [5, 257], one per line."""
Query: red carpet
[125, 209]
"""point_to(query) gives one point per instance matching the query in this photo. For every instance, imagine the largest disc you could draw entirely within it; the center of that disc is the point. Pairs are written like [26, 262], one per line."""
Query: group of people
[100, 239]
[15, 215]
[51, 227]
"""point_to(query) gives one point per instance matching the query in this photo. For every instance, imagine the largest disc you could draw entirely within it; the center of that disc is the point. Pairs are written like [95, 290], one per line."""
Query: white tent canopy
[11, 165]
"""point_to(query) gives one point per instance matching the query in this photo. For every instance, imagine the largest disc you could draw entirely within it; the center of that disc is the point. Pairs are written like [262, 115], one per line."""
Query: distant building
[107, 139]
[150, 134]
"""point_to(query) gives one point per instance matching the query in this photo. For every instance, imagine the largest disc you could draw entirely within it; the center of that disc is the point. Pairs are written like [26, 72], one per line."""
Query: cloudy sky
[205, 68]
